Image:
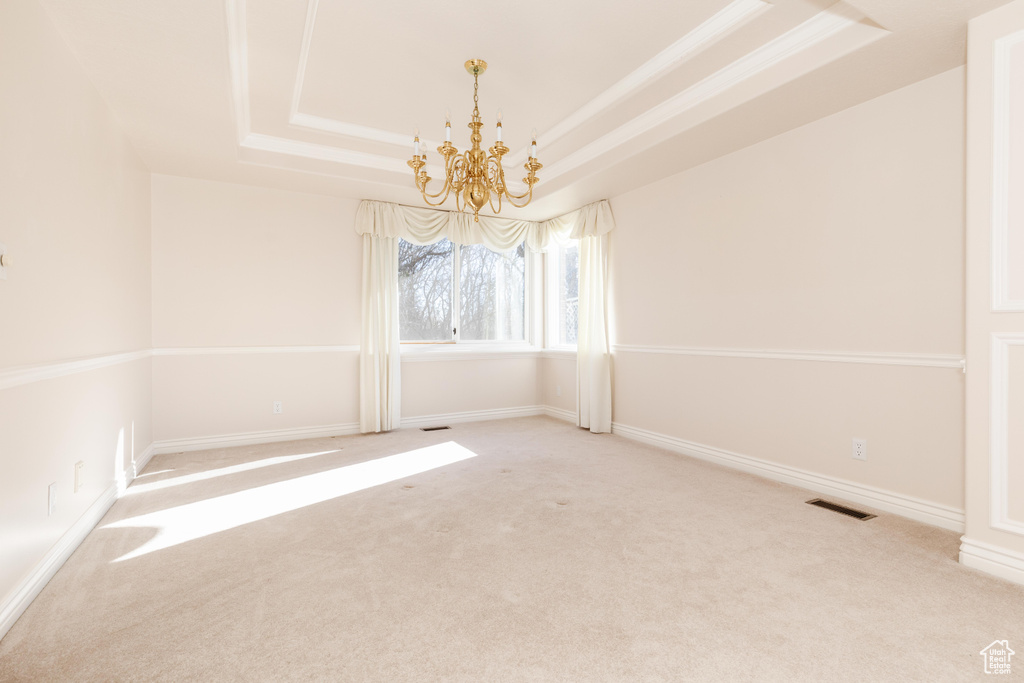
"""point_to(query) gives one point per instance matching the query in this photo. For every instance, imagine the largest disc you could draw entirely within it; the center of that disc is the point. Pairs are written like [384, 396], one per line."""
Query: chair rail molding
[26, 374]
[915, 360]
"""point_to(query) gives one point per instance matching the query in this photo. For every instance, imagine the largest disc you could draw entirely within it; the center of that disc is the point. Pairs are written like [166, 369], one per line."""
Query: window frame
[552, 293]
[449, 346]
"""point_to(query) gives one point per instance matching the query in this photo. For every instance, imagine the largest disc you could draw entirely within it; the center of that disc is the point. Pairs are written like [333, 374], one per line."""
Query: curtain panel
[382, 224]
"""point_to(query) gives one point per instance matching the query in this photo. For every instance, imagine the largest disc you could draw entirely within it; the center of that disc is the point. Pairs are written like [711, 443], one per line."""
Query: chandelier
[475, 178]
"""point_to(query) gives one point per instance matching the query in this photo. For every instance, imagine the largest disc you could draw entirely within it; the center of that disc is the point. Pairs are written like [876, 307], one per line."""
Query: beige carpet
[551, 555]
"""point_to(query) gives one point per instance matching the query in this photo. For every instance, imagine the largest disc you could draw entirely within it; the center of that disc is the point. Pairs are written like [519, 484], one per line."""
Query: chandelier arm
[490, 201]
[500, 180]
[445, 189]
[528, 193]
[528, 196]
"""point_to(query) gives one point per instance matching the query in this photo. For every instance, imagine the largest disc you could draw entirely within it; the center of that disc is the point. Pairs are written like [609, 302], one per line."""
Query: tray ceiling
[324, 96]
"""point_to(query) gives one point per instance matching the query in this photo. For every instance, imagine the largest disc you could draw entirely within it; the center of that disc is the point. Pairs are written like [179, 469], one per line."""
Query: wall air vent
[433, 429]
[818, 502]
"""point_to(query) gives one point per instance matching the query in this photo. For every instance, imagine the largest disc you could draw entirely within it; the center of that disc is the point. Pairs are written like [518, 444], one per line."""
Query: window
[451, 293]
[563, 277]
[425, 291]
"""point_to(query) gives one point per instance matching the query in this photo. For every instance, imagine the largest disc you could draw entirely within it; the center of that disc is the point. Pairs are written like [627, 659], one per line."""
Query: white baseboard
[31, 585]
[470, 416]
[889, 501]
[202, 443]
[560, 414]
[992, 559]
[141, 461]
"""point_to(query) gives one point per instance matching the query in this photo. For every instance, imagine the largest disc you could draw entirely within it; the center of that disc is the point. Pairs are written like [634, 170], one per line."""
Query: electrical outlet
[860, 449]
[51, 494]
[558, 390]
[78, 475]
[278, 409]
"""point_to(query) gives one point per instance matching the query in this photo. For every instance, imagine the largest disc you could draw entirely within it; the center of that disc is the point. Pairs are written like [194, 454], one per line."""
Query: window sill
[415, 353]
[559, 352]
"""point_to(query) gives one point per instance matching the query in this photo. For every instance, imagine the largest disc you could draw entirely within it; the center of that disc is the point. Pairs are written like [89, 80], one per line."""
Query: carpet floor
[513, 550]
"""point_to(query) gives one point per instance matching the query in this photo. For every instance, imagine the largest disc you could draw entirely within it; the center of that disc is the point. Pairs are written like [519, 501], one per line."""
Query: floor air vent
[818, 502]
[433, 429]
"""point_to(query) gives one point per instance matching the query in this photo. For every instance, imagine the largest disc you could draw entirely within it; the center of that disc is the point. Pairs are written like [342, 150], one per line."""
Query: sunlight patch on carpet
[203, 518]
[136, 489]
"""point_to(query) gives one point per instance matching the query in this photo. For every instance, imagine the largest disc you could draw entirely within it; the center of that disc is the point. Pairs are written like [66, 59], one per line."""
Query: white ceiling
[323, 95]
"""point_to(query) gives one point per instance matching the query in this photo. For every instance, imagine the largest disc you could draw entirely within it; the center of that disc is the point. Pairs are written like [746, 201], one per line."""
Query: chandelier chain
[476, 97]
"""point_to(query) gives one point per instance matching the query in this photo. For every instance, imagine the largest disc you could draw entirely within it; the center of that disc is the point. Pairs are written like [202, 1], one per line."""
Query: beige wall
[74, 214]
[238, 267]
[845, 235]
[558, 373]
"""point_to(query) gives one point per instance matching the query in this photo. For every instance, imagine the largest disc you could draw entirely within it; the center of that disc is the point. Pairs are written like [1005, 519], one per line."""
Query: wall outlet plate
[860, 449]
[78, 474]
[278, 408]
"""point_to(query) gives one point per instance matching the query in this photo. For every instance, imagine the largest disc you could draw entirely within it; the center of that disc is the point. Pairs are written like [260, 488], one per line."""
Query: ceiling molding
[714, 29]
[307, 40]
[334, 126]
[804, 36]
[312, 150]
[706, 34]
[238, 65]
[808, 34]
[326, 125]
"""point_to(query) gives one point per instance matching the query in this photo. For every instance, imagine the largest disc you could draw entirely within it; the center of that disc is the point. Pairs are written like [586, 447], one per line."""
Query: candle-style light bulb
[416, 143]
[447, 126]
[499, 125]
[533, 146]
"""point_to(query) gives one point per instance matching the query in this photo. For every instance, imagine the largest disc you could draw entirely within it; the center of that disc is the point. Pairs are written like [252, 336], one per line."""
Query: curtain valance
[425, 226]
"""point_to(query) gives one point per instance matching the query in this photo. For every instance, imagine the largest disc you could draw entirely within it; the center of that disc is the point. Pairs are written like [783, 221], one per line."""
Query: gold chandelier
[476, 178]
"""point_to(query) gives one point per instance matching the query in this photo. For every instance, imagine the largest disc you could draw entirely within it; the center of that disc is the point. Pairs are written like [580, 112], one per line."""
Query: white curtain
[380, 363]
[426, 226]
[590, 225]
[382, 224]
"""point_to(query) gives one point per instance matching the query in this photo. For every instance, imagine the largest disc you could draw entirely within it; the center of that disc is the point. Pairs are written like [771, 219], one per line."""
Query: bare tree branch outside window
[425, 291]
[568, 294]
[491, 294]
[492, 289]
